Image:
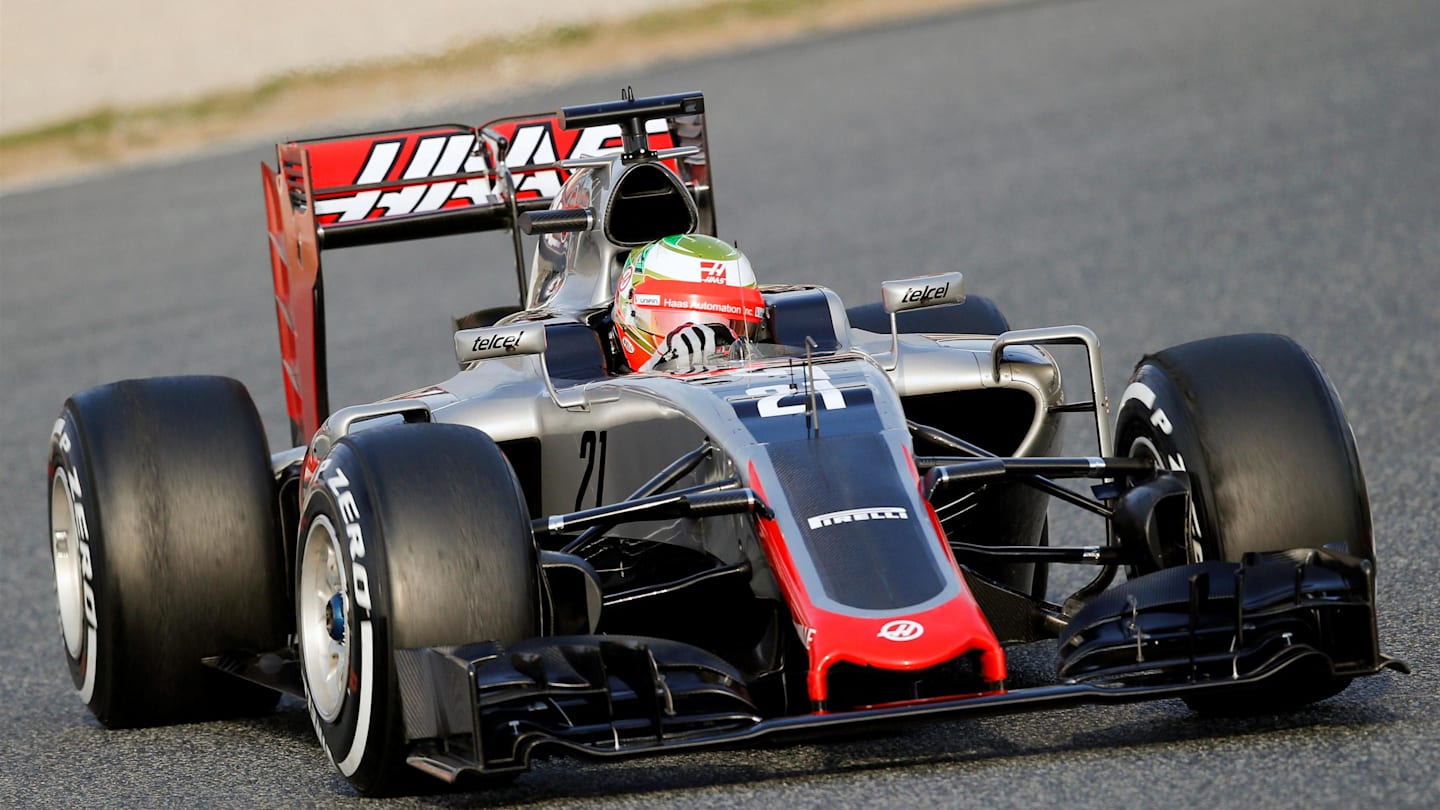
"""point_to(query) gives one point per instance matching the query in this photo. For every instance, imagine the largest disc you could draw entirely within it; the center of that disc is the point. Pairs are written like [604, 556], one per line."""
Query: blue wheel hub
[335, 618]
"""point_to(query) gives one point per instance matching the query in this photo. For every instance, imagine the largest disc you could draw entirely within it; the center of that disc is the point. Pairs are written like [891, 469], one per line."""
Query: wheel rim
[323, 615]
[1142, 447]
[69, 572]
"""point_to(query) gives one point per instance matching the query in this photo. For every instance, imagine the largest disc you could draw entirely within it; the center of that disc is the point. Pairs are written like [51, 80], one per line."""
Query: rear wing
[398, 185]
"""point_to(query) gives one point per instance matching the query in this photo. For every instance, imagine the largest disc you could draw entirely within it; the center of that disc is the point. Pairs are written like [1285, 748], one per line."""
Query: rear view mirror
[499, 341]
[924, 291]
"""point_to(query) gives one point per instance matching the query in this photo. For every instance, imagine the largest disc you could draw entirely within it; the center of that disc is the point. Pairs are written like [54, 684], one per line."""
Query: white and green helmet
[678, 281]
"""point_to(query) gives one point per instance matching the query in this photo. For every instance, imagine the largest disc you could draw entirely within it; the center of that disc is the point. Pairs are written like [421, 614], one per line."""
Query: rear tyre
[1272, 465]
[165, 548]
[976, 316]
[412, 536]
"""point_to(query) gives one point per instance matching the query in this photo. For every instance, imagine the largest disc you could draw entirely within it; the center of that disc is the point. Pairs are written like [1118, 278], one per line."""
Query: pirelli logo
[857, 515]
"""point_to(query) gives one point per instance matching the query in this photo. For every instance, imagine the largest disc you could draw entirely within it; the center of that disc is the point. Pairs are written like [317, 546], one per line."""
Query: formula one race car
[656, 511]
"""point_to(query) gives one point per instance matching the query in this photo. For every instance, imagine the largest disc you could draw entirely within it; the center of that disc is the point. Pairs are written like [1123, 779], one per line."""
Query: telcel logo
[472, 345]
[901, 630]
[509, 343]
[923, 291]
[919, 295]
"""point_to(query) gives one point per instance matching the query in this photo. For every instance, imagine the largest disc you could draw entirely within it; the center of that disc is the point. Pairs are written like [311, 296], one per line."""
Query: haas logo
[712, 272]
[421, 168]
[901, 630]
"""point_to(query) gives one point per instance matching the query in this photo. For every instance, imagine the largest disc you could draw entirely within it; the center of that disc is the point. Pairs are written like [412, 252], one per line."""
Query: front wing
[484, 709]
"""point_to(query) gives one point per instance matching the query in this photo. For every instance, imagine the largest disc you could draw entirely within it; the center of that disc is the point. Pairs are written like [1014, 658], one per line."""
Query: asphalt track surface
[1160, 171]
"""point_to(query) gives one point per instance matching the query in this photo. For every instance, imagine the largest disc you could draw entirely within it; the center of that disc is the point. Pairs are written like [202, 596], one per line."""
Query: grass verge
[483, 68]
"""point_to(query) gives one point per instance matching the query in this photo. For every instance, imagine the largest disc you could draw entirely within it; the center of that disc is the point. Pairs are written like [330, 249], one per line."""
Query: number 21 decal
[826, 394]
[592, 447]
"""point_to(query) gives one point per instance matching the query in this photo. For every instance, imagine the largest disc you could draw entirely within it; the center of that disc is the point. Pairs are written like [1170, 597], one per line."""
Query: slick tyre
[1260, 430]
[412, 536]
[976, 316]
[165, 549]
[1272, 463]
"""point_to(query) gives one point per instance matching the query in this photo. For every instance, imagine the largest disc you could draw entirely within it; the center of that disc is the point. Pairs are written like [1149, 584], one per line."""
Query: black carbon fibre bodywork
[614, 697]
[1220, 617]
[865, 559]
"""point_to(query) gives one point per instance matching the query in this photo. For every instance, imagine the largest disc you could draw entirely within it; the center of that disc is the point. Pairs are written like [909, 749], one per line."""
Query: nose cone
[915, 642]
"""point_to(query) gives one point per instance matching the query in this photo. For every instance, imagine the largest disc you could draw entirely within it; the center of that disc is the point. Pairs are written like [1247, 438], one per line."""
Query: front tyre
[165, 548]
[1260, 430]
[1272, 463]
[412, 536]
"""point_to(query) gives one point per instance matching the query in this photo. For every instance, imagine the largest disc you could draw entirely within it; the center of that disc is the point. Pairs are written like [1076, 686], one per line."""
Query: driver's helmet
[684, 300]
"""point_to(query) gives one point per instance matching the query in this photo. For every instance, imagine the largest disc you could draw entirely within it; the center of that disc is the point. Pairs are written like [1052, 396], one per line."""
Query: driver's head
[683, 299]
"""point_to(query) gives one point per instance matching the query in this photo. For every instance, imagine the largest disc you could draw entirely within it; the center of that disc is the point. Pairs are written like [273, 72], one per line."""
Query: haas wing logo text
[433, 156]
[417, 159]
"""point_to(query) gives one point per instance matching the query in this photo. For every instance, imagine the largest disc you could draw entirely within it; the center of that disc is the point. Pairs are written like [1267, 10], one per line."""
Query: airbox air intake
[649, 202]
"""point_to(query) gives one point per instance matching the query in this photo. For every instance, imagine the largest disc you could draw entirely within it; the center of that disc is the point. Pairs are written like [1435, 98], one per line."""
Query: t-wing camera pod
[631, 114]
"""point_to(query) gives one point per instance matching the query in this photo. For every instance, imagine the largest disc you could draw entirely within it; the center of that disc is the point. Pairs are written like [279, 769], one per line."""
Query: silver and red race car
[839, 522]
